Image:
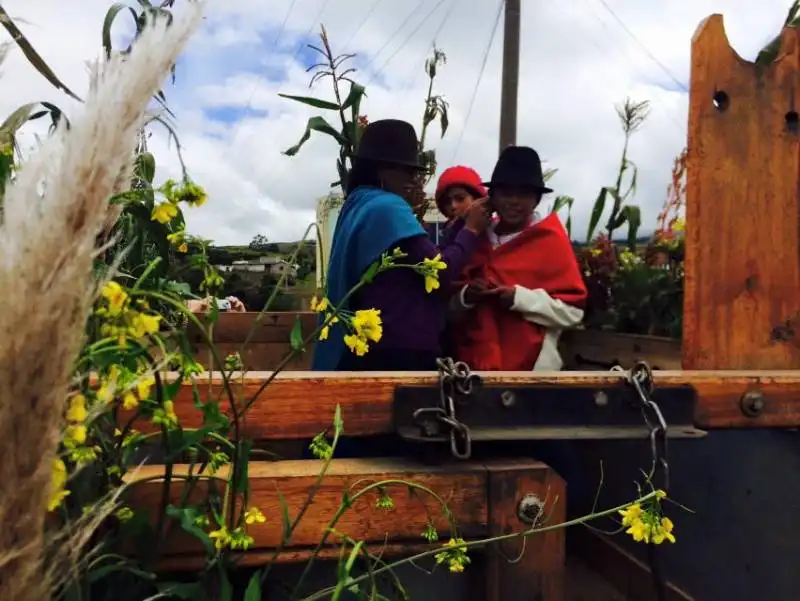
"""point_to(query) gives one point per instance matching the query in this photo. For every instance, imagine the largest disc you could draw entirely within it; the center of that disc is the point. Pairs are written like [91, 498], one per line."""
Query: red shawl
[492, 338]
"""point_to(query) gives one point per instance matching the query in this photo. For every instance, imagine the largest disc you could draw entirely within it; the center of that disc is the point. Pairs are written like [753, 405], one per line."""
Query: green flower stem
[148, 270]
[311, 494]
[341, 511]
[482, 543]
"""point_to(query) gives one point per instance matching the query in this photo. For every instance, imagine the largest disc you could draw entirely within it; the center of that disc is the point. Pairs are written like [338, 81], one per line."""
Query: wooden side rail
[483, 497]
[301, 404]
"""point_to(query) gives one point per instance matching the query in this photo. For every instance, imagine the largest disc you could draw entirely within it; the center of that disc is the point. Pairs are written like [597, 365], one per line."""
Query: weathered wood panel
[599, 350]
[302, 404]
[268, 342]
[482, 496]
[742, 307]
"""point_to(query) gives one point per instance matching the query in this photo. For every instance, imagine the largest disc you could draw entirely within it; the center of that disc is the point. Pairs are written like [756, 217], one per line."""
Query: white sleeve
[541, 308]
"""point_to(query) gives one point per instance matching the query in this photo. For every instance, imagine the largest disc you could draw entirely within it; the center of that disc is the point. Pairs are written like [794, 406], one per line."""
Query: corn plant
[631, 115]
[770, 52]
[351, 125]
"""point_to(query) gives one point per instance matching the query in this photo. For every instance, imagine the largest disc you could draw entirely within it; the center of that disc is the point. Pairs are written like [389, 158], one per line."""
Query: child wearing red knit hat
[458, 187]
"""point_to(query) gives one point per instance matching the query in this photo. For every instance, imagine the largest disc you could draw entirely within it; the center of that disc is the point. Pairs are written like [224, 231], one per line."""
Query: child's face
[515, 205]
[459, 200]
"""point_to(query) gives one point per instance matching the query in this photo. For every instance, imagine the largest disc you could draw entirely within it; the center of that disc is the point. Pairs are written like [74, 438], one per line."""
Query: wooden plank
[741, 302]
[600, 350]
[257, 356]
[627, 574]
[532, 568]
[272, 326]
[302, 404]
[470, 489]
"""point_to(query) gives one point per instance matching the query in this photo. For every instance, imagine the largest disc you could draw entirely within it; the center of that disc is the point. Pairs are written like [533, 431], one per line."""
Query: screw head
[600, 398]
[752, 403]
[508, 398]
[530, 509]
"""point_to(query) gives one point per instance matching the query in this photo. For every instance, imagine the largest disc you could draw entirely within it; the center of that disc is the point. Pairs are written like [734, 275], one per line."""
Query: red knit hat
[459, 176]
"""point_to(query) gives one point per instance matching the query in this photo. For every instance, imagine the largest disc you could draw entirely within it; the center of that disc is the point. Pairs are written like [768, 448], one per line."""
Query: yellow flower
[129, 401]
[143, 387]
[241, 540]
[596, 252]
[325, 330]
[183, 247]
[143, 324]
[75, 434]
[115, 296]
[368, 325]
[164, 212]
[77, 409]
[319, 305]
[639, 531]
[58, 483]
[453, 555]
[221, 538]
[435, 264]
[663, 531]
[254, 516]
[356, 344]
[166, 415]
[431, 283]
[631, 514]
[679, 224]
[105, 394]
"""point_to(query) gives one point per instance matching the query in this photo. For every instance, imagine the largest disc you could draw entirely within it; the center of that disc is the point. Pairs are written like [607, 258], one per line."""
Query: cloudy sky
[579, 58]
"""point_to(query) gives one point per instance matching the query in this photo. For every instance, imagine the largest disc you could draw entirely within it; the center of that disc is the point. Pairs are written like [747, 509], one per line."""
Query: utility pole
[510, 83]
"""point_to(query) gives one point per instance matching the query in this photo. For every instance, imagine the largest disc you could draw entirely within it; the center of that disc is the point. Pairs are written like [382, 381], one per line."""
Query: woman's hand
[237, 306]
[481, 291]
[476, 218]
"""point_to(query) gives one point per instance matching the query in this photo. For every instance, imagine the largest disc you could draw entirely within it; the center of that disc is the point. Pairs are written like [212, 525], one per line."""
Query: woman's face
[459, 200]
[515, 205]
[398, 179]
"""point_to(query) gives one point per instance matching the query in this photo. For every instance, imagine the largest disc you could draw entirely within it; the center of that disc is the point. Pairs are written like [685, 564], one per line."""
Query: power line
[480, 76]
[408, 39]
[414, 74]
[394, 35]
[367, 15]
[663, 67]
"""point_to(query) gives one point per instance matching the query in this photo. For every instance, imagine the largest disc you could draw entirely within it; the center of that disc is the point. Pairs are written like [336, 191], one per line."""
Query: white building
[272, 265]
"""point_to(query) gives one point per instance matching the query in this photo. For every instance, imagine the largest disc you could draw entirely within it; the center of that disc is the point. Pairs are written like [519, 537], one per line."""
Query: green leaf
[108, 22]
[315, 124]
[285, 519]
[338, 423]
[188, 591]
[96, 574]
[597, 211]
[243, 462]
[633, 215]
[225, 588]
[30, 53]
[296, 336]
[315, 102]
[186, 518]
[253, 592]
[357, 92]
[145, 167]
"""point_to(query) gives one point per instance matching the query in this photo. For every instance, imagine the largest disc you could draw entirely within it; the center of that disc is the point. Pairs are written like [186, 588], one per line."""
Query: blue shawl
[371, 222]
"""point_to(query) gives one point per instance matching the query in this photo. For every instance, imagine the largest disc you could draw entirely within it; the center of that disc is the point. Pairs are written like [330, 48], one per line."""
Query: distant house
[275, 266]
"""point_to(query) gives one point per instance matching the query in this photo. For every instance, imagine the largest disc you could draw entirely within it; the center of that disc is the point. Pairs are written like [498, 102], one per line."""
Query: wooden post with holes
[742, 296]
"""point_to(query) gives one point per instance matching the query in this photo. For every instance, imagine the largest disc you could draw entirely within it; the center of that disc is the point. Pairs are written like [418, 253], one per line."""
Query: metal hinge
[495, 413]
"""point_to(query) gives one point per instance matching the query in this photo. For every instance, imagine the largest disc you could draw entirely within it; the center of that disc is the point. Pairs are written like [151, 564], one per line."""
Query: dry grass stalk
[53, 212]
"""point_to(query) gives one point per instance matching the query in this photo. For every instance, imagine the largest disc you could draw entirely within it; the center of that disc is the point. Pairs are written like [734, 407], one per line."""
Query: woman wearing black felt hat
[377, 217]
[522, 286]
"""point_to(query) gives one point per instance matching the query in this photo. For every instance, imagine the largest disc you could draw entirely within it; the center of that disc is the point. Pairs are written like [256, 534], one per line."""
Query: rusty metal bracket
[495, 413]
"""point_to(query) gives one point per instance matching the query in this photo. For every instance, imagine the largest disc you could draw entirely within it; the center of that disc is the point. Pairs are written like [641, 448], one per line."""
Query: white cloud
[577, 62]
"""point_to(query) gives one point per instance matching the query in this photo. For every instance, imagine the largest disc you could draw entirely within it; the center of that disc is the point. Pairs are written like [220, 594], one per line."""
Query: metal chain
[456, 383]
[640, 378]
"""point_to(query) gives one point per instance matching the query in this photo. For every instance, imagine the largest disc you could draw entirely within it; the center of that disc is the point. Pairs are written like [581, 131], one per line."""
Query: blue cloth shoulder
[372, 221]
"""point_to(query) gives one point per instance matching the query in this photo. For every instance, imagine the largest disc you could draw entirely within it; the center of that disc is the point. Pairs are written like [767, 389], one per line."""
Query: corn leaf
[108, 22]
[315, 124]
[33, 57]
[315, 102]
[597, 211]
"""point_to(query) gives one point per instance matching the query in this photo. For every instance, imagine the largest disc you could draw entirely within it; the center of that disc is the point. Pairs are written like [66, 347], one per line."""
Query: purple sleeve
[455, 254]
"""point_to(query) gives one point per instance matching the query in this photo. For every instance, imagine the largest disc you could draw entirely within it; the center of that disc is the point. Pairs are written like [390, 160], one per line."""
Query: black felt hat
[390, 141]
[519, 166]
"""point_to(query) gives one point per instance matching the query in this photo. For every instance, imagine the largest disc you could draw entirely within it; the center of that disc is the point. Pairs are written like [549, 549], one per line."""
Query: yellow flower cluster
[174, 193]
[58, 484]
[453, 555]
[132, 387]
[629, 259]
[123, 320]
[237, 539]
[430, 269]
[365, 325]
[647, 524]
[76, 432]
[178, 240]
